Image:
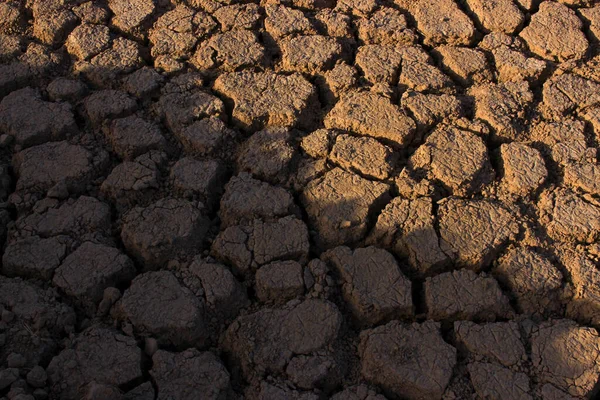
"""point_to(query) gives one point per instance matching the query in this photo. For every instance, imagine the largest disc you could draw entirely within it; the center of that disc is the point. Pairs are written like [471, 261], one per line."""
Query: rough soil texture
[299, 199]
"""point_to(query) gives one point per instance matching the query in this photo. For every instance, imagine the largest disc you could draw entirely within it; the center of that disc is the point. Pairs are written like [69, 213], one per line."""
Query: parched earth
[299, 199]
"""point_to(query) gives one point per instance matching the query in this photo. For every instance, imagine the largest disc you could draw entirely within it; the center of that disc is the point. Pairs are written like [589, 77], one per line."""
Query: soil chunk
[41, 167]
[456, 158]
[32, 121]
[130, 181]
[339, 205]
[465, 65]
[207, 136]
[279, 281]
[385, 26]
[83, 218]
[565, 93]
[35, 257]
[149, 303]
[85, 273]
[564, 354]
[373, 284]
[98, 355]
[409, 360]
[364, 155]
[533, 280]
[238, 16]
[267, 154]
[229, 51]
[497, 15]
[498, 342]
[282, 21]
[88, 40]
[35, 321]
[429, 110]
[423, 77]
[524, 168]
[184, 375]
[504, 107]
[369, 114]
[130, 15]
[492, 381]
[224, 294]
[515, 66]
[406, 227]
[182, 109]
[268, 99]
[463, 294]
[266, 340]
[201, 179]
[104, 105]
[440, 22]
[583, 293]
[246, 199]
[569, 217]
[555, 33]
[259, 243]
[133, 136]
[310, 54]
[176, 32]
[166, 228]
[473, 231]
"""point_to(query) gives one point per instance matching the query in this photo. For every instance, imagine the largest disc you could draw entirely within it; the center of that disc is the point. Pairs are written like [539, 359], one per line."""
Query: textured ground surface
[299, 199]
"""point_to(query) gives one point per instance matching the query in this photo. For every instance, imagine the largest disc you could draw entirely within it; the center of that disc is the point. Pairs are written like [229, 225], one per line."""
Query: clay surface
[299, 199]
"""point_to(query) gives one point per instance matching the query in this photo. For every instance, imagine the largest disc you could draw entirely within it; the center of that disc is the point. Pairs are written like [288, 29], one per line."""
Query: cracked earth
[299, 199]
